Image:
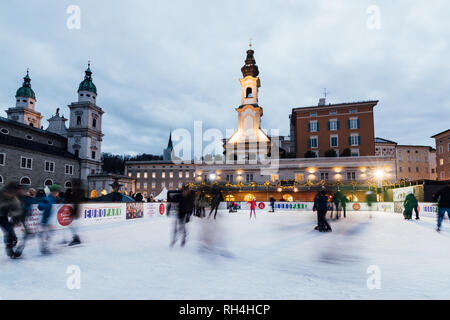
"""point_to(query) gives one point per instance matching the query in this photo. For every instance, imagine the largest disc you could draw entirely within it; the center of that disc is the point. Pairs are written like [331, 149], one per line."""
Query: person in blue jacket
[46, 205]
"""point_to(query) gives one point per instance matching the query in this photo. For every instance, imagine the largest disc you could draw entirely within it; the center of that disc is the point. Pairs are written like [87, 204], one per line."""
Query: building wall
[152, 177]
[385, 149]
[301, 118]
[11, 170]
[443, 156]
[413, 162]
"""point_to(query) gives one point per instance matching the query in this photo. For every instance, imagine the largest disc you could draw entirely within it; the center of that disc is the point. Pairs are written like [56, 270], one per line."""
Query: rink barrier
[102, 213]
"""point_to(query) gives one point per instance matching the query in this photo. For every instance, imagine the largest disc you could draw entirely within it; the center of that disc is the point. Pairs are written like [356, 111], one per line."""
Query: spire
[170, 145]
[87, 84]
[25, 90]
[250, 68]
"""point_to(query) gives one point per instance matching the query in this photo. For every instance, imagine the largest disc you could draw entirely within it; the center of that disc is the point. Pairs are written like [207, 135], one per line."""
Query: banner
[135, 210]
[401, 193]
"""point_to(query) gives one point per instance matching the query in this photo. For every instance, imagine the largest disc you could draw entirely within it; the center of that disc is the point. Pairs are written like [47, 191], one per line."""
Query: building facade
[415, 162]
[319, 129]
[443, 155]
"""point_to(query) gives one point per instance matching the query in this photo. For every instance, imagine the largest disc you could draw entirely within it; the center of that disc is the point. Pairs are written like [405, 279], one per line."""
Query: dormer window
[4, 131]
[18, 100]
[50, 142]
[88, 95]
[29, 137]
[249, 93]
[23, 100]
[81, 94]
[31, 102]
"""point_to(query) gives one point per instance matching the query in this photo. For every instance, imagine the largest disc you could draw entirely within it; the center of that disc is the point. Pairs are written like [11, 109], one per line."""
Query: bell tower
[85, 128]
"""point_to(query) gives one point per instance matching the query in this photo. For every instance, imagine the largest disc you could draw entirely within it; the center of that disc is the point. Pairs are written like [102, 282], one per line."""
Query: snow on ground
[276, 256]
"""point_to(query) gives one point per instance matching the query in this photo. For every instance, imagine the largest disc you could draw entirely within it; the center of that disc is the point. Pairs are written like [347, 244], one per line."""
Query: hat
[55, 188]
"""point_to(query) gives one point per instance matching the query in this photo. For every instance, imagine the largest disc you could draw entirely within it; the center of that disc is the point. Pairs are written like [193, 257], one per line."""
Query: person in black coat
[218, 198]
[321, 206]
[443, 199]
[272, 204]
[185, 209]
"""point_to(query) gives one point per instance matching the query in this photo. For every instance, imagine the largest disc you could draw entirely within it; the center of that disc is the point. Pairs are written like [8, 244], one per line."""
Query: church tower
[243, 144]
[85, 128]
[168, 152]
[24, 111]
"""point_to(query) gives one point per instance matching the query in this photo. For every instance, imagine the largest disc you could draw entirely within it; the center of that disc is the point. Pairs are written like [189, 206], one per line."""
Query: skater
[185, 208]
[27, 199]
[215, 203]
[9, 206]
[335, 201]
[320, 205]
[343, 202]
[272, 204]
[410, 204]
[46, 206]
[442, 197]
[252, 207]
[371, 198]
[75, 197]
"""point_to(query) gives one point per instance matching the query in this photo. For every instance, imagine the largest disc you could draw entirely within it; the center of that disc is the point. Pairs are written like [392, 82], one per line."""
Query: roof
[87, 84]
[25, 90]
[339, 105]
[381, 140]
[448, 130]
[28, 127]
[35, 146]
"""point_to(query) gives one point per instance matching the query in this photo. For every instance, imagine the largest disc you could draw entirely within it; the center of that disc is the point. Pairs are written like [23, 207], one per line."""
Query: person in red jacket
[252, 207]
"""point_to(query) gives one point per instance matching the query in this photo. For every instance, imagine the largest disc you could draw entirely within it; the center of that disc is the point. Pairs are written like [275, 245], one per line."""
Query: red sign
[65, 216]
[162, 208]
[261, 205]
[356, 206]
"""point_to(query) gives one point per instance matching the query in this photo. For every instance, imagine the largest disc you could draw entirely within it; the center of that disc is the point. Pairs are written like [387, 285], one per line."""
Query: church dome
[25, 91]
[250, 68]
[87, 84]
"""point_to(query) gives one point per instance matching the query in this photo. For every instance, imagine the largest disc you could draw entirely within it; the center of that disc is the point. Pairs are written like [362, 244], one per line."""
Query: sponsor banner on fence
[102, 212]
[135, 210]
[386, 206]
[153, 209]
[401, 193]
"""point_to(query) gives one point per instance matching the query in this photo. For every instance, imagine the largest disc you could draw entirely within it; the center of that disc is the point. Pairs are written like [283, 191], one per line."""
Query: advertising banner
[401, 193]
[92, 213]
[135, 210]
[154, 209]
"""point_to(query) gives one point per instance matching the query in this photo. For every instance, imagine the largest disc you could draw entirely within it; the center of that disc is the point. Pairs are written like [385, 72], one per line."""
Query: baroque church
[37, 157]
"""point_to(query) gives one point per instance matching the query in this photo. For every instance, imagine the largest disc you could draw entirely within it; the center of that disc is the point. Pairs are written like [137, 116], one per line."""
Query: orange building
[337, 127]
[443, 155]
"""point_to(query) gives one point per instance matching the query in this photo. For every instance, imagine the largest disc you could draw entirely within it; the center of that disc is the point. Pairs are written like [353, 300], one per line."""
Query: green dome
[26, 91]
[87, 84]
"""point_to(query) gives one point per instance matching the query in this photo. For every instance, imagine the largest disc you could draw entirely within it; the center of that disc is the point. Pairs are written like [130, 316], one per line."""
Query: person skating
[371, 198]
[75, 196]
[218, 198]
[335, 200]
[185, 208]
[410, 204]
[252, 207]
[321, 205]
[46, 205]
[442, 197]
[272, 204]
[9, 206]
[343, 202]
[27, 199]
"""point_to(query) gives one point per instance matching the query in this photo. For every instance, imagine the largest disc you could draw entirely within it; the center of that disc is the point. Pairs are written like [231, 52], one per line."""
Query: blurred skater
[335, 201]
[321, 205]
[442, 197]
[27, 199]
[218, 198]
[46, 205]
[75, 196]
[9, 207]
[184, 211]
[272, 204]
[252, 207]
[371, 198]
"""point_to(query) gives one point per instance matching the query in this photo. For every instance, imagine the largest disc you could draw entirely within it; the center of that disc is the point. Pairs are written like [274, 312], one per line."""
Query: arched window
[68, 185]
[94, 194]
[229, 197]
[48, 182]
[1, 180]
[79, 120]
[103, 192]
[248, 93]
[94, 123]
[25, 181]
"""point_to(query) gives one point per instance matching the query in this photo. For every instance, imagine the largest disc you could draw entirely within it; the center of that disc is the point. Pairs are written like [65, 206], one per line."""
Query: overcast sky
[160, 65]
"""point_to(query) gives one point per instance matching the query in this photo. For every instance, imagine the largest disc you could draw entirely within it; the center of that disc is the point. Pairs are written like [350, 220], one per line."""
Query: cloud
[161, 65]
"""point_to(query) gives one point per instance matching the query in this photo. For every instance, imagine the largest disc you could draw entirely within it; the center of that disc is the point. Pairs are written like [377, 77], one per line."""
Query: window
[442, 175]
[145, 175]
[163, 184]
[50, 142]
[333, 113]
[353, 111]
[2, 159]
[153, 185]
[333, 125]
[170, 184]
[129, 174]
[28, 137]
[409, 157]
[313, 114]
[229, 178]
[441, 149]
[401, 169]
[409, 169]
[334, 141]
[351, 175]
[299, 177]
[163, 174]
[79, 121]
[441, 162]
[313, 126]
[180, 174]
[49, 166]
[249, 177]
[355, 152]
[313, 142]
[68, 185]
[138, 185]
[353, 123]
[354, 140]
[26, 163]
[4, 131]
[138, 175]
[248, 93]
[180, 185]
[187, 174]
[324, 176]
[417, 158]
[77, 153]
[449, 147]
[94, 123]
[93, 155]
[145, 185]
[153, 174]
[417, 169]
[48, 182]
[25, 181]
[171, 174]
[1, 180]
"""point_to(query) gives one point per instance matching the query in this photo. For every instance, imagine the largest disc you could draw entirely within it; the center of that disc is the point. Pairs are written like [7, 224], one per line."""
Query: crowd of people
[16, 207]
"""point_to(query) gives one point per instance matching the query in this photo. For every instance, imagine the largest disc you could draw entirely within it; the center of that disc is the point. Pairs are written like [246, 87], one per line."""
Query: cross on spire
[325, 93]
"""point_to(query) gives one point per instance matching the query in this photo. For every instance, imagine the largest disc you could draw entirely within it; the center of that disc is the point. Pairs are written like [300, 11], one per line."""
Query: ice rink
[276, 256]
